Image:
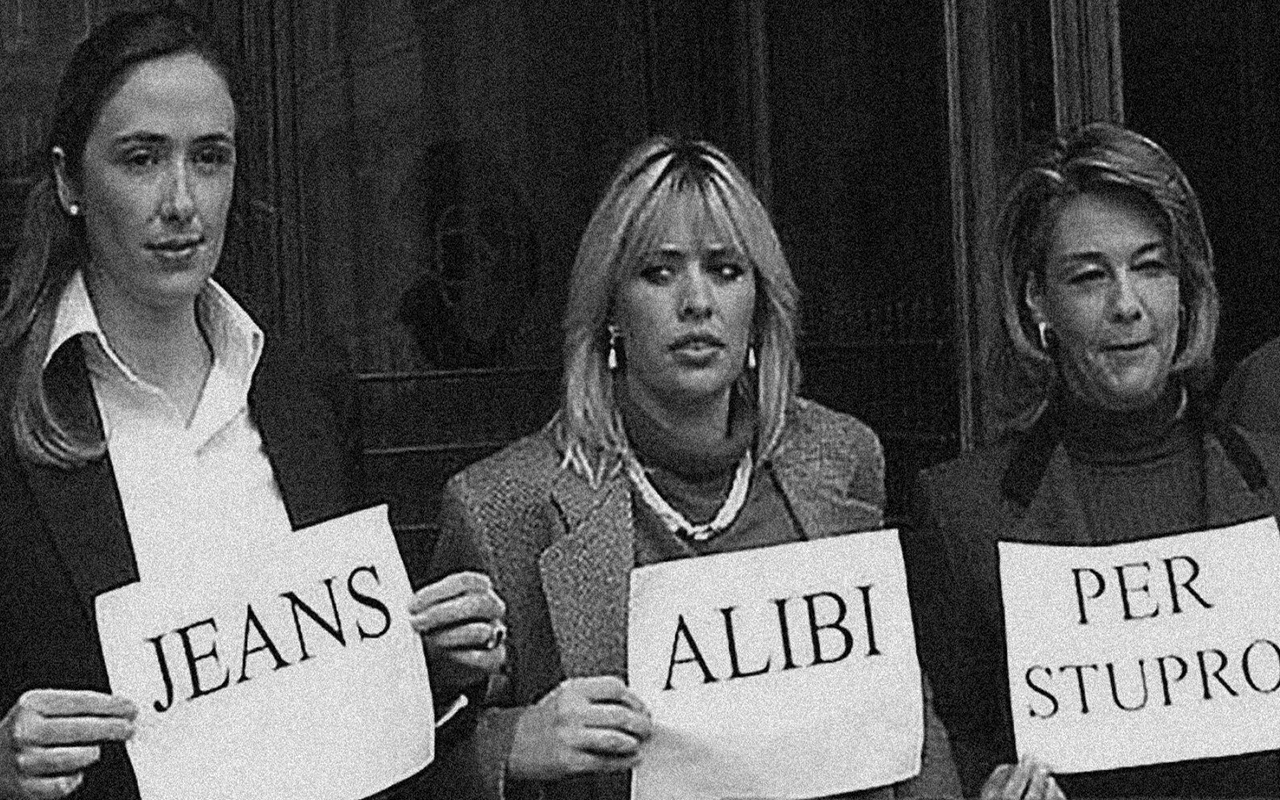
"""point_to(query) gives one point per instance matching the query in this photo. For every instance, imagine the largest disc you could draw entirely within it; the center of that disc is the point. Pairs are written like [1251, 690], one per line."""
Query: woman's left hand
[460, 618]
[1029, 779]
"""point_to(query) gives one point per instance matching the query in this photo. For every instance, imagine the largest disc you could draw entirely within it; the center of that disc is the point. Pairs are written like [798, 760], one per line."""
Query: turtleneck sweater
[695, 481]
[1137, 474]
[1140, 474]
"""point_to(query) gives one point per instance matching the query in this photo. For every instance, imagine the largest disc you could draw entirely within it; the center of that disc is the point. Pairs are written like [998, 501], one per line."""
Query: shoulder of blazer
[968, 486]
[1250, 397]
[514, 482]
[835, 449]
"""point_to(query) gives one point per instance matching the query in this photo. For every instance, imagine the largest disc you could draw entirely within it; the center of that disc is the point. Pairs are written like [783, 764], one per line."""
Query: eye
[139, 158]
[657, 273]
[1154, 266]
[1086, 275]
[214, 157]
[727, 269]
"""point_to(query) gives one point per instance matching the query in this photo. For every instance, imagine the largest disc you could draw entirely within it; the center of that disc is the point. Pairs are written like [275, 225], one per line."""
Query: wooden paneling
[860, 173]
[1205, 83]
[421, 429]
[1000, 102]
[1086, 59]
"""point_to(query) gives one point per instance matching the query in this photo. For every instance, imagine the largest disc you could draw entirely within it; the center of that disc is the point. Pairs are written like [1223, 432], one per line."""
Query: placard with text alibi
[1145, 652]
[290, 674]
[782, 672]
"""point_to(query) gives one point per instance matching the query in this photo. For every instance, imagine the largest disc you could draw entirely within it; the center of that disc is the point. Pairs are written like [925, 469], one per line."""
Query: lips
[697, 342]
[1126, 347]
[178, 247]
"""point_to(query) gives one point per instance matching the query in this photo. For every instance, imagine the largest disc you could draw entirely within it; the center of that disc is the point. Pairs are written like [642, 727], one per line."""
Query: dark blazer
[63, 538]
[1003, 493]
[1251, 396]
[561, 554]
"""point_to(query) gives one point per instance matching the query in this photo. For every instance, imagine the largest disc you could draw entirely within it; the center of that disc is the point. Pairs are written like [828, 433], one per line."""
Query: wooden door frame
[985, 138]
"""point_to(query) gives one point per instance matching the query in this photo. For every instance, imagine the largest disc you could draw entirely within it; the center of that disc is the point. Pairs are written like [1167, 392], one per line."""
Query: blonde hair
[654, 177]
[1099, 158]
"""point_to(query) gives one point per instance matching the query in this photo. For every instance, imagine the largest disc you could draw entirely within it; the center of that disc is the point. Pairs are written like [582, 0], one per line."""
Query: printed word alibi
[831, 639]
[259, 647]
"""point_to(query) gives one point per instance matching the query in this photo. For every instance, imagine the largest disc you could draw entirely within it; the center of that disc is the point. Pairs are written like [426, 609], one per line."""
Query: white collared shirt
[194, 495]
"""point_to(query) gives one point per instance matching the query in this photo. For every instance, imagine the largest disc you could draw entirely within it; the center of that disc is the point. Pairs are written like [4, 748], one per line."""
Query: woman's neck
[708, 454]
[1102, 434]
[163, 345]
[701, 423]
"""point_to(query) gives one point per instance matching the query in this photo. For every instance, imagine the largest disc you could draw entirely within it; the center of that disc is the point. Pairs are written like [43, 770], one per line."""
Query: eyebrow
[715, 249]
[145, 137]
[1088, 256]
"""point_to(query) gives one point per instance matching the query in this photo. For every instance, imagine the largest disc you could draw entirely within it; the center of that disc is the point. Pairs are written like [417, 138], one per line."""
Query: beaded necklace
[676, 522]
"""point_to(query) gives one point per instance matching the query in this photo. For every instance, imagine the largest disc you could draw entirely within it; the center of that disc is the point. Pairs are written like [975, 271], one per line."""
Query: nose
[178, 203]
[1126, 302]
[696, 297]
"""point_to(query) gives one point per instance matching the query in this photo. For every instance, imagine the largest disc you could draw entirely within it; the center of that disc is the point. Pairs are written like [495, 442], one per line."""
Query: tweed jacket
[962, 508]
[561, 553]
[64, 539]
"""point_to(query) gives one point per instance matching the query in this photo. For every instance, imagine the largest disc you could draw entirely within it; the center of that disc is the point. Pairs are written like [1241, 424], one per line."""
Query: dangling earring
[1043, 329]
[751, 356]
[613, 348]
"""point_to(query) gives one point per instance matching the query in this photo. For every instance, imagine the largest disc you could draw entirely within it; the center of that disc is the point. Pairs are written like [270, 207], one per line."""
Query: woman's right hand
[50, 736]
[1029, 779]
[583, 725]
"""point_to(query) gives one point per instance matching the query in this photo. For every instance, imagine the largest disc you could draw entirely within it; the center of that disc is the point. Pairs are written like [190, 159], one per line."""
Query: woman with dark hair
[679, 435]
[142, 406]
[1110, 309]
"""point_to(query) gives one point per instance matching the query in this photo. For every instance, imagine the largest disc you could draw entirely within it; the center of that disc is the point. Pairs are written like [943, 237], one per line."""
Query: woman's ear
[1033, 296]
[67, 196]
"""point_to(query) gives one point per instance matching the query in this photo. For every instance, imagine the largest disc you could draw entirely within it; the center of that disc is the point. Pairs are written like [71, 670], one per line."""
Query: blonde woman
[679, 435]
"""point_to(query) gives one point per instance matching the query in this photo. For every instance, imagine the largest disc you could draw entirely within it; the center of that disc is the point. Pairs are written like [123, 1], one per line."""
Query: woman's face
[1110, 296]
[685, 312]
[156, 182]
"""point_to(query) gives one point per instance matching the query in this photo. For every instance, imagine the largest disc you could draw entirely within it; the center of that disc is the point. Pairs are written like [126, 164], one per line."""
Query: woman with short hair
[1109, 310]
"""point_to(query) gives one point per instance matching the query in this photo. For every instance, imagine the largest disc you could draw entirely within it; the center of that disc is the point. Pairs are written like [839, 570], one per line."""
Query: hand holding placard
[460, 619]
[51, 735]
[583, 725]
[1029, 779]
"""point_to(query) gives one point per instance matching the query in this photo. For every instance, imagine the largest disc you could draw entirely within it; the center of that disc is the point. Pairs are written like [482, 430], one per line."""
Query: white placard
[292, 674]
[1145, 652]
[722, 650]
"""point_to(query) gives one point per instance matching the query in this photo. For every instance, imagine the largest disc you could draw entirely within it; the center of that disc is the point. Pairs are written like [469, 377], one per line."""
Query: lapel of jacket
[798, 465]
[586, 574]
[1055, 515]
[298, 434]
[1228, 498]
[81, 507]
[794, 465]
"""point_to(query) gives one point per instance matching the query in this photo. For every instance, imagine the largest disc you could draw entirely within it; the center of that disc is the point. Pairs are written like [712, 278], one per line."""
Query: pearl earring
[613, 348]
[73, 209]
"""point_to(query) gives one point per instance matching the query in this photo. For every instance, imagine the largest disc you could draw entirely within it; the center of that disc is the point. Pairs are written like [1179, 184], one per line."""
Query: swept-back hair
[52, 246]
[624, 229]
[1100, 158]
